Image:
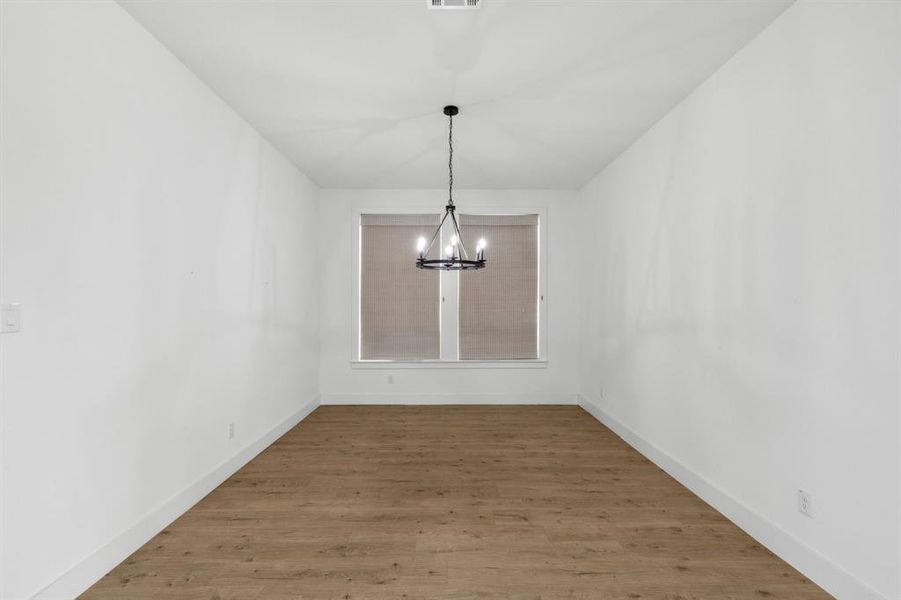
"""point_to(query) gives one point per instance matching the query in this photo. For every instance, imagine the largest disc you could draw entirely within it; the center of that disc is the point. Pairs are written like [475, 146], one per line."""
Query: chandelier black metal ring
[455, 257]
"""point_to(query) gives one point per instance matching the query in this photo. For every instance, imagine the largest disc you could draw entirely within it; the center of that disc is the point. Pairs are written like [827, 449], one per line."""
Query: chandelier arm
[459, 236]
[435, 235]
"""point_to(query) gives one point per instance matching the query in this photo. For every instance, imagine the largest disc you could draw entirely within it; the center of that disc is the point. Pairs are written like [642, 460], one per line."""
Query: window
[400, 304]
[498, 305]
[407, 314]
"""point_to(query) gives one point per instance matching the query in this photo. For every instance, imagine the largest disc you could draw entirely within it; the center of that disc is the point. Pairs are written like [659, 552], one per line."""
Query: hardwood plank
[452, 503]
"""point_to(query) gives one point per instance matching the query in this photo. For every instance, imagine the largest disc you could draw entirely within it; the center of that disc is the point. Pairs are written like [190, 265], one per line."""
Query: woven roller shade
[399, 304]
[499, 304]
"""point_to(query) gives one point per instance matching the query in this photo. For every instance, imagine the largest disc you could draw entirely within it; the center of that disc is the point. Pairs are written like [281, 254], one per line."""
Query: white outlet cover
[10, 318]
[805, 503]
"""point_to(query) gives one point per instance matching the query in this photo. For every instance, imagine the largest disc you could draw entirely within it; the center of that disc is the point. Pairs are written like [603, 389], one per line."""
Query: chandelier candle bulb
[480, 249]
[420, 246]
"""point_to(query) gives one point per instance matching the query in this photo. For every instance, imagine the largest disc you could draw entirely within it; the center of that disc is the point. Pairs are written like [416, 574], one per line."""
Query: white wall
[741, 311]
[558, 382]
[163, 254]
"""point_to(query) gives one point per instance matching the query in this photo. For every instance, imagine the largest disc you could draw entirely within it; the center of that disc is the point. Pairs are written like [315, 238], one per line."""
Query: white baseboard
[80, 577]
[435, 399]
[805, 559]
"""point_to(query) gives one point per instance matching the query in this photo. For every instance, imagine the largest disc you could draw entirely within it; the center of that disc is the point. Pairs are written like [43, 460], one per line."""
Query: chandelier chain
[450, 161]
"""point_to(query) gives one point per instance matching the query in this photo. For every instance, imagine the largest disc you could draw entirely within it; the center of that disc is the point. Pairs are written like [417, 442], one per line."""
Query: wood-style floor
[452, 503]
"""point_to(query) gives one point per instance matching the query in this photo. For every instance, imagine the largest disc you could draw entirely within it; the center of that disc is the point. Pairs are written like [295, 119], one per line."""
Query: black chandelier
[455, 256]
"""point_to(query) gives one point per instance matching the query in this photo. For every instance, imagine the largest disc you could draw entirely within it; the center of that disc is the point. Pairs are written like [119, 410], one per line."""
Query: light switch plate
[10, 318]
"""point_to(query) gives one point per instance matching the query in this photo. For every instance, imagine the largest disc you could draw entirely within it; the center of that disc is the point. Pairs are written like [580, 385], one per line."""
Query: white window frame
[449, 294]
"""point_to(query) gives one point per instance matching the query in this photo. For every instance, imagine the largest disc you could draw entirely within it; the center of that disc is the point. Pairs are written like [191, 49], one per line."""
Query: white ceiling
[549, 91]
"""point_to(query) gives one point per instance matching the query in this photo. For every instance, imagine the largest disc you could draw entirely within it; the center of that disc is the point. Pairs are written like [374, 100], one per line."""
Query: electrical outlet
[390, 378]
[10, 318]
[231, 430]
[805, 503]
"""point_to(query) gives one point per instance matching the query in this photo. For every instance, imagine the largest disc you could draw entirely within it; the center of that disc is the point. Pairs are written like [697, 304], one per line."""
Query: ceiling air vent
[453, 3]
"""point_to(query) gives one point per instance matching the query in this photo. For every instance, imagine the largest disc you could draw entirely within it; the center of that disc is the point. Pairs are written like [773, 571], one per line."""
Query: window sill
[448, 364]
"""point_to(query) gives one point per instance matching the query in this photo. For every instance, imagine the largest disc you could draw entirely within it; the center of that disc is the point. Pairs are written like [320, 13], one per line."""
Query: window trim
[519, 363]
[448, 278]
